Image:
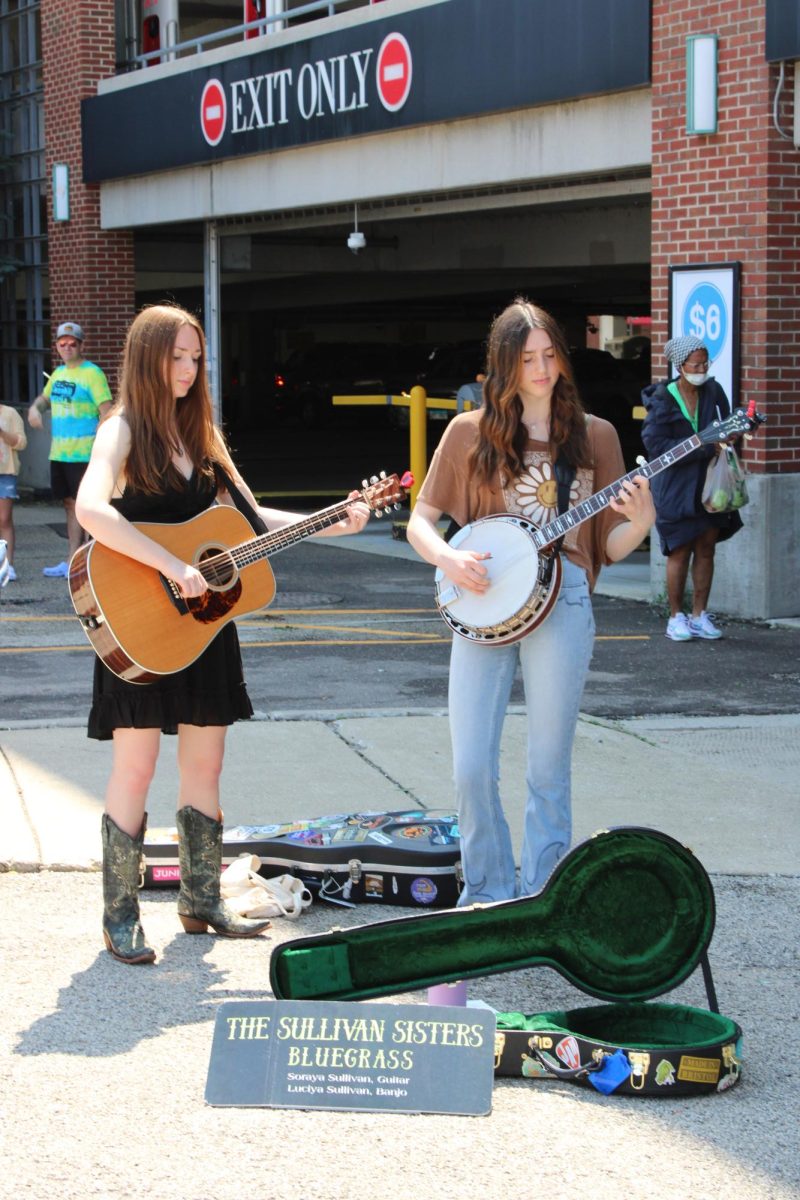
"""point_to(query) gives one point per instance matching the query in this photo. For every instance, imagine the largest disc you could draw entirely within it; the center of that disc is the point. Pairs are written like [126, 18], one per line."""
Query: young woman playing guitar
[502, 459]
[157, 457]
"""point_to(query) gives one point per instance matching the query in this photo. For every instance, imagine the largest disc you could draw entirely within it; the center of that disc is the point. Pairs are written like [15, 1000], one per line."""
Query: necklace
[543, 426]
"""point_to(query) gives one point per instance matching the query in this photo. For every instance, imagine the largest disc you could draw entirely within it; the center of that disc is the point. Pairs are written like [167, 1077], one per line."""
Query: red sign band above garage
[448, 61]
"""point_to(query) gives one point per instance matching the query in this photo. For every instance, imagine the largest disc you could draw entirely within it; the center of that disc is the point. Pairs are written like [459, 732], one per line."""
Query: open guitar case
[626, 916]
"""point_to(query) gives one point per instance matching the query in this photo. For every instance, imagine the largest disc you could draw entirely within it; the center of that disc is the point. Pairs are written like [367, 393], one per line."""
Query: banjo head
[516, 592]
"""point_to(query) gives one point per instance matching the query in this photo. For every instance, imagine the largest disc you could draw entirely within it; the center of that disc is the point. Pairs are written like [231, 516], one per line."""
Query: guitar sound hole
[224, 586]
[217, 565]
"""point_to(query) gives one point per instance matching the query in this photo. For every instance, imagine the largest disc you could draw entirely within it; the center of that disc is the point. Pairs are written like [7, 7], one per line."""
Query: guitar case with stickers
[626, 916]
[411, 857]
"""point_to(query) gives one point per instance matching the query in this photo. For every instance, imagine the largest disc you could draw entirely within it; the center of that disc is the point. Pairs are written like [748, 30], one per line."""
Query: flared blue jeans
[554, 660]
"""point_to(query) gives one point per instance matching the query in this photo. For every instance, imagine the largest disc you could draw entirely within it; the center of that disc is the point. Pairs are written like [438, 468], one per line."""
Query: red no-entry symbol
[213, 112]
[393, 71]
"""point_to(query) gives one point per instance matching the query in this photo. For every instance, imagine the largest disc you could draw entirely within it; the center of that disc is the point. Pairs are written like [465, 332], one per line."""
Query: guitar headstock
[384, 492]
[737, 423]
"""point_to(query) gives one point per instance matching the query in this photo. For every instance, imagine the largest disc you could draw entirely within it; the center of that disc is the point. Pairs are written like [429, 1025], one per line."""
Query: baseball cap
[70, 329]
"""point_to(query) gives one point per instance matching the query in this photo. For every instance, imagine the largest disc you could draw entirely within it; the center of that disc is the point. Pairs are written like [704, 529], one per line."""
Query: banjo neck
[573, 517]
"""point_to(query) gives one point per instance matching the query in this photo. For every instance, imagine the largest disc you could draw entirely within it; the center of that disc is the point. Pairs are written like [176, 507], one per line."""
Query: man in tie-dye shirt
[79, 396]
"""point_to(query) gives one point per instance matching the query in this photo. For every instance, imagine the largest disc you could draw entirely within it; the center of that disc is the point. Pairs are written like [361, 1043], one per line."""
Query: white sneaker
[12, 574]
[704, 627]
[678, 628]
[58, 572]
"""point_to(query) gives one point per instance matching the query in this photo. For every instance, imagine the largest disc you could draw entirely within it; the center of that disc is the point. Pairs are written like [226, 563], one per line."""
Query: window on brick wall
[208, 19]
[24, 321]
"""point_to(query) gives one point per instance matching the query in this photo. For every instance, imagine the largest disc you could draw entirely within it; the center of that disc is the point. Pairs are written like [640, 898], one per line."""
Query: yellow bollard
[418, 438]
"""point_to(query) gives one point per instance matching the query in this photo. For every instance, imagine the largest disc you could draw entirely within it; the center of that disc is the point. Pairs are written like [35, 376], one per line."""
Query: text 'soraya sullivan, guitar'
[525, 569]
[136, 619]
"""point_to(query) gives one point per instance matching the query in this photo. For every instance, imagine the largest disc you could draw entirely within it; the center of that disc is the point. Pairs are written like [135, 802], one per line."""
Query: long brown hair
[503, 434]
[159, 423]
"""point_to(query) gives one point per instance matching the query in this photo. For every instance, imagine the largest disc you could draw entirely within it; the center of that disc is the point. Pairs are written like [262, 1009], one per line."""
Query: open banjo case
[626, 916]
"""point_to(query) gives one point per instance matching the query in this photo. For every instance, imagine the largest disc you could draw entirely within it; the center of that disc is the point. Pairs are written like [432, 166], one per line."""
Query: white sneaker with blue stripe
[678, 628]
[704, 627]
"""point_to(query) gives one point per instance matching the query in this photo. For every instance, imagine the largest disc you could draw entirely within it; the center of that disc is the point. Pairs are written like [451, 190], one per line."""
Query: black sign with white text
[440, 63]
[386, 1057]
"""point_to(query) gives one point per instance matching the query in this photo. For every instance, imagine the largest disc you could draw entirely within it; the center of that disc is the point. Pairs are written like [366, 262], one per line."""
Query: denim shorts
[8, 487]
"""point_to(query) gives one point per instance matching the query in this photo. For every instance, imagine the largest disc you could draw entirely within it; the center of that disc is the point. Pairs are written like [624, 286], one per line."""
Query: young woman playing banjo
[501, 459]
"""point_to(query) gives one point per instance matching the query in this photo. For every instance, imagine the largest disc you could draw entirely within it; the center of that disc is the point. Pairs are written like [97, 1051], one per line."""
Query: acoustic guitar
[136, 619]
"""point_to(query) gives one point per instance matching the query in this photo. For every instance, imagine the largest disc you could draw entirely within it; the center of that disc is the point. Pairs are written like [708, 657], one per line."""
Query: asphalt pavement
[105, 1066]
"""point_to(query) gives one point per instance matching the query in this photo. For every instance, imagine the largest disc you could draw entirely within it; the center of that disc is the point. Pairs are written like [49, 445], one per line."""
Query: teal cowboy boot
[122, 865]
[199, 900]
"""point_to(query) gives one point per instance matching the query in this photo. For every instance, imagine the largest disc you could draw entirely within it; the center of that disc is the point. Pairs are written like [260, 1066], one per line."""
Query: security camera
[356, 241]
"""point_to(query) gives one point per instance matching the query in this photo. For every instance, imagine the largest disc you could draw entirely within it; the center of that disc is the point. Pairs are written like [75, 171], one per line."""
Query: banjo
[525, 568]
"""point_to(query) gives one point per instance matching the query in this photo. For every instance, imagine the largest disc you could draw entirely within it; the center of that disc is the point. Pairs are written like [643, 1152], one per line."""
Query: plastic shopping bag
[725, 488]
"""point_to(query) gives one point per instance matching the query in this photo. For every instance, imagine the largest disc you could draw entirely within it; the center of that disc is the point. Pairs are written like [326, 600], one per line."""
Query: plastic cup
[449, 995]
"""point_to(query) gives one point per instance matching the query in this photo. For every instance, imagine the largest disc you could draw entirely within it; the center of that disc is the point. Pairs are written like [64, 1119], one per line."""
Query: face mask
[695, 380]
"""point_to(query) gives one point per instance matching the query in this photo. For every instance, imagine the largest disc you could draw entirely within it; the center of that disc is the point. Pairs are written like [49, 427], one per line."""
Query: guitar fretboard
[589, 508]
[278, 539]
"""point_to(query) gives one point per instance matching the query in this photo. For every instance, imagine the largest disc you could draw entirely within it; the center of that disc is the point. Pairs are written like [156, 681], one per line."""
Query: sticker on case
[693, 1069]
[424, 890]
[665, 1073]
[373, 886]
[309, 837]
[567, 1050]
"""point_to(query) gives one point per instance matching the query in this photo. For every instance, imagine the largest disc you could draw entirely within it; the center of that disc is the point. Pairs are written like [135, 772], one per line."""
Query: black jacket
[677, 490]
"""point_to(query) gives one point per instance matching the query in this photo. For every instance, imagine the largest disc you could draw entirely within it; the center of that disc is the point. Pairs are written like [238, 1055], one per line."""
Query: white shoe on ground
[58, 572]
[12, 574]
[704, 627]
[678, 628]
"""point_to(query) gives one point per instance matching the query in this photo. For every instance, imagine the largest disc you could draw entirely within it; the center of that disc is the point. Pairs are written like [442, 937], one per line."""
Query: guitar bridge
[171, 588]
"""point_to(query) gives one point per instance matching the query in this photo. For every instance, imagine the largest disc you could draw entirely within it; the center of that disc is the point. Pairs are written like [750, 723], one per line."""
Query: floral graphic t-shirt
[534, 494]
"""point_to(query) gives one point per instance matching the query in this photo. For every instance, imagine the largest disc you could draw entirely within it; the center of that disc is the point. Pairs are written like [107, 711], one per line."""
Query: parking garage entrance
[303, 318]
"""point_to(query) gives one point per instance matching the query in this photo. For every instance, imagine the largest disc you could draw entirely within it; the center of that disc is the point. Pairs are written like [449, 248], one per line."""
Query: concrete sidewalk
[105, 1066]
[693, 778]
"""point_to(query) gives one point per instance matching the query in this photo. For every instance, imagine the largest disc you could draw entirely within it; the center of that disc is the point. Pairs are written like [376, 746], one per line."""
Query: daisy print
[534, 493]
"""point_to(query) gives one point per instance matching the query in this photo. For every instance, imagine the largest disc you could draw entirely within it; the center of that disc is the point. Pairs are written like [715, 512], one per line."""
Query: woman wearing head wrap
[689, 534]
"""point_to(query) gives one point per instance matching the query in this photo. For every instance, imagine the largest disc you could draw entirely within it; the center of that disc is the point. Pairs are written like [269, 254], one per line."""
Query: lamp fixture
[356, 240]
[701, 83]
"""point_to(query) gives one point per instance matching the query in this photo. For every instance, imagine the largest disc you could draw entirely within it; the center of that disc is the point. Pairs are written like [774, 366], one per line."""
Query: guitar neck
[573, 517]
[288, 535]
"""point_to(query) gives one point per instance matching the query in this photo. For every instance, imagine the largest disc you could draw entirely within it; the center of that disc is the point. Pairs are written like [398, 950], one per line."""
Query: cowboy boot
[199, 900]
[122, 930]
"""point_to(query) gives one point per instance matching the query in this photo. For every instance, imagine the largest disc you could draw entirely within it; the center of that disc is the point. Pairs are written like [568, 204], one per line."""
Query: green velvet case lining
[636, 1027]
[626, 915]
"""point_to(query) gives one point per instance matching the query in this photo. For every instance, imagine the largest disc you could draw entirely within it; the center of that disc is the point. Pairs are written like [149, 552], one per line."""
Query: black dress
[211, 690]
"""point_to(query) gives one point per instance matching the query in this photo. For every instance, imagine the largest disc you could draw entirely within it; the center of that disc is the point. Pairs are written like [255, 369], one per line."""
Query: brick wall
[91, 271]
[733, 196]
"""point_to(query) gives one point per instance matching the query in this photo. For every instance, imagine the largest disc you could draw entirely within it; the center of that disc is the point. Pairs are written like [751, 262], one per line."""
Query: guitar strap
[565, 473]
[242, 503]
